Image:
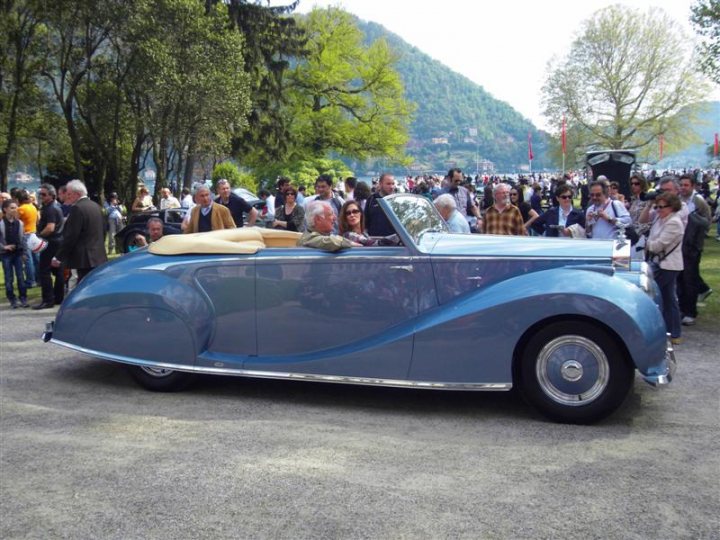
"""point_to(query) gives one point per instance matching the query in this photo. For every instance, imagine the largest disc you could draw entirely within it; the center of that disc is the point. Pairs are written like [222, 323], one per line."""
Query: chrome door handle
[474, 278]
[406, 267]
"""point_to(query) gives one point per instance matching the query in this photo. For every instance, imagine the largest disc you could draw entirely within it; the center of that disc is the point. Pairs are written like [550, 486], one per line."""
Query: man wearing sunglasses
[50, 228]
[604, 214]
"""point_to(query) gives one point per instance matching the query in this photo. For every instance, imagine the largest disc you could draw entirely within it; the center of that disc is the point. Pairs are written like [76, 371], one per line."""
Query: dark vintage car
[568, 322]
[172, 219]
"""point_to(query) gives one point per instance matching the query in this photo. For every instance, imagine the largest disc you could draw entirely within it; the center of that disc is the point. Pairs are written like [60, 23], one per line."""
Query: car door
[350, 313]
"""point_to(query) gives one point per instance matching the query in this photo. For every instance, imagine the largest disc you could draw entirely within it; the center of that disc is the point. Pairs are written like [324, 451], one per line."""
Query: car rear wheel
[160, 379]
[574, 372]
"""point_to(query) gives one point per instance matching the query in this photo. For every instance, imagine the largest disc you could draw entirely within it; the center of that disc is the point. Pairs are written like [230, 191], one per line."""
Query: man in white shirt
[168, 200]
[603, 214]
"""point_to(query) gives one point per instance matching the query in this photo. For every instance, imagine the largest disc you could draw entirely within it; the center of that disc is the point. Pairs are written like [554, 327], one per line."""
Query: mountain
[696, 155]
[456, 120]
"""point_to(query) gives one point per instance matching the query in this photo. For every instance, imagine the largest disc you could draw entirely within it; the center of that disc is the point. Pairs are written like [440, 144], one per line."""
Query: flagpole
[563, 144]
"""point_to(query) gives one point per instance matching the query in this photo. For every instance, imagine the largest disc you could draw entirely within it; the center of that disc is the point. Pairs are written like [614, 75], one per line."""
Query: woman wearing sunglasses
[558, 219]
[517, 198]
[352, 224]
[664, 253]
[291, 214]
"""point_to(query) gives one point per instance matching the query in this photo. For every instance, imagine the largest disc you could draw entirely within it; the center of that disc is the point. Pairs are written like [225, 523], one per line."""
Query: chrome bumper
[665, 372]
[48, 333]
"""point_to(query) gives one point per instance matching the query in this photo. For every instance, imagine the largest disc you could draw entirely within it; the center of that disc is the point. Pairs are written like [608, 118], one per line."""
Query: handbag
[630, 231]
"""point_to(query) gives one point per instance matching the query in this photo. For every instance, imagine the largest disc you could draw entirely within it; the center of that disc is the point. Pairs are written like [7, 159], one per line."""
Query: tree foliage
[706, 19]
[345, 97]
[628, 78]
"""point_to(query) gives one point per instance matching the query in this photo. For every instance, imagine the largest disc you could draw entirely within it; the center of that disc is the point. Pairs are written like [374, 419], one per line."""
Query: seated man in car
[320, 220]
[154, 228]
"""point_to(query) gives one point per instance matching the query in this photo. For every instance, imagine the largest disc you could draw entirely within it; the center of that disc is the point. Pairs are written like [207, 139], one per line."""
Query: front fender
[482, 329]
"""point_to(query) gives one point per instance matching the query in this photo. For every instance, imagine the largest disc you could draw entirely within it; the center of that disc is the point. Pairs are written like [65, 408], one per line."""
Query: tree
[272, 40]
[628, 78]
[706, 19]
[20, 32]
[346, 98]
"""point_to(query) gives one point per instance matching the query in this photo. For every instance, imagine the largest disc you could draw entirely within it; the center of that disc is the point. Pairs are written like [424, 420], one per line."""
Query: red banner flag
[716, 150]
[662, 145]
[563, 137]
[530, 152]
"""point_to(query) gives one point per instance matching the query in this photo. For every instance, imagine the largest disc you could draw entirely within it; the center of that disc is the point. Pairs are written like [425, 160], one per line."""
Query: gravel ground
[85, 453]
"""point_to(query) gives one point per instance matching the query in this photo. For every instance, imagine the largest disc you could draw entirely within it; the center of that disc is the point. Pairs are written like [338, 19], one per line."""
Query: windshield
[416, 214]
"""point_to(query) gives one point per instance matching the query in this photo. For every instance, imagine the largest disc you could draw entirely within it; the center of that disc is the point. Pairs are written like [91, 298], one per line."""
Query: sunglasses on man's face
[661, 206]
[565, 197]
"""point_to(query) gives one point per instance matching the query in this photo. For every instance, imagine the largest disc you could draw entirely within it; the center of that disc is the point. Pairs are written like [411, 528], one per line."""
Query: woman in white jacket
[664, 247]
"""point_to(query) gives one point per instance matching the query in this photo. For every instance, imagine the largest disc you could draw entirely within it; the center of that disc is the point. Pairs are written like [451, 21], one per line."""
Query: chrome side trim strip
[342, 379]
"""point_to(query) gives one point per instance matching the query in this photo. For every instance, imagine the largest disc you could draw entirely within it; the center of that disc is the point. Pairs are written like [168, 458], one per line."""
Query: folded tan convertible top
[227, 241]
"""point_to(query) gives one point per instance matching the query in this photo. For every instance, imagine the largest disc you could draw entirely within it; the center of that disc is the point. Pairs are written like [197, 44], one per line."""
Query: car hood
[487, 245]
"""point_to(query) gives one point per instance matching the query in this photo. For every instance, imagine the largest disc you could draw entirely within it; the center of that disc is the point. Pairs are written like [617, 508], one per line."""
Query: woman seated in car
[352, 224]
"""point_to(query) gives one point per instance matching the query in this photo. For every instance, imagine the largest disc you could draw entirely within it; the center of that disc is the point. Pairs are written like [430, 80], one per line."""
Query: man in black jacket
[82, 246]
[376, 222]
[50, 228]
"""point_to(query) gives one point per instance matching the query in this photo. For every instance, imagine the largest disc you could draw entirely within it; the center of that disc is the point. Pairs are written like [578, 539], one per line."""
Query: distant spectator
[350, 185]
[50, 229]
[376, 222]
[503, 217]
[290, 216]
[28, 214]
[206, 215]
[142, 201]
[528, 214]
[187, 199]
[167, 199]
[362, 194]
[237, 205]
[559, 219]
[324, 192]
[11, 252]
[446, 206]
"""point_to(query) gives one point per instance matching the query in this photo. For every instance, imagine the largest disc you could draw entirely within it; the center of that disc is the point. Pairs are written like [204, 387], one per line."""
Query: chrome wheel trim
[576, 363]
[157, 372]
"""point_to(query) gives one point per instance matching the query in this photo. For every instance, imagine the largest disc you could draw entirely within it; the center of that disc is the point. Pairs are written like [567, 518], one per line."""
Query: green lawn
[709, 313]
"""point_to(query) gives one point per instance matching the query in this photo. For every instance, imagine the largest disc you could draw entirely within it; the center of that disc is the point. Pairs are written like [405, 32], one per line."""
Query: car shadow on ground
[219, 397]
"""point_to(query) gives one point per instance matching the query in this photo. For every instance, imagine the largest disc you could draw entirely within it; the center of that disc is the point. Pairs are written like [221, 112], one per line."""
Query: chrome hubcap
[156, 371]
[572, 370]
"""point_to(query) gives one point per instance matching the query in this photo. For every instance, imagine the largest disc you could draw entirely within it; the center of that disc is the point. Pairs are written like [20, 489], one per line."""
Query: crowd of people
[666, 217]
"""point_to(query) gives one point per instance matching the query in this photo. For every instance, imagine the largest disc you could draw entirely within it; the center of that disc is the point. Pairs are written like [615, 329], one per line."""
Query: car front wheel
[574, 372]
[160, 379]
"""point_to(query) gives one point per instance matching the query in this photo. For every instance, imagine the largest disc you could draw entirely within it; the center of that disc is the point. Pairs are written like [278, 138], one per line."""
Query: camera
[650, 196]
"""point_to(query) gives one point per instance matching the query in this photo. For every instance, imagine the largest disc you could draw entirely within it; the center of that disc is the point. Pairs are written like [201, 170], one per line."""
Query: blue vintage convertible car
[566, 321]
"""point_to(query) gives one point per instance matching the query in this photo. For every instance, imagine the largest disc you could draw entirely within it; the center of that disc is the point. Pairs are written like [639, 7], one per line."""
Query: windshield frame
[410, 237]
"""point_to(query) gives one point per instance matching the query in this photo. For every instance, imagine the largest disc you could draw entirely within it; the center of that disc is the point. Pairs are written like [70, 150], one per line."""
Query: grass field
[708, 312]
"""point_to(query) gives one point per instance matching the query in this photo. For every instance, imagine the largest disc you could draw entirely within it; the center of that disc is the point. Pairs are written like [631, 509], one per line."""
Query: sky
[503, 46]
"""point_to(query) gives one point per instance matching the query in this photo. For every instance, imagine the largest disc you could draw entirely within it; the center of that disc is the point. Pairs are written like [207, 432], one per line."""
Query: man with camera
[604, 214]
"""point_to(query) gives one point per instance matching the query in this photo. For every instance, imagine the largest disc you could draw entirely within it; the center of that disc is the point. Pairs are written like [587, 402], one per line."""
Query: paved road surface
[85, 453]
